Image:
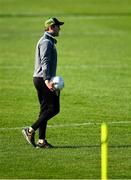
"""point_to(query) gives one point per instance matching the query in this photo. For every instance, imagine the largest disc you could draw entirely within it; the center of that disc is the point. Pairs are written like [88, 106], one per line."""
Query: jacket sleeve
[45, 56]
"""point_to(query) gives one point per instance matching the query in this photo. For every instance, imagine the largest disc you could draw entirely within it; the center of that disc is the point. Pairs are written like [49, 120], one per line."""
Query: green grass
[94, 59]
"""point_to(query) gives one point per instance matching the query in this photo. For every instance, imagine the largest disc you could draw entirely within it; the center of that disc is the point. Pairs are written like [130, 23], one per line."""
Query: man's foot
[45, 144]
[29, 136]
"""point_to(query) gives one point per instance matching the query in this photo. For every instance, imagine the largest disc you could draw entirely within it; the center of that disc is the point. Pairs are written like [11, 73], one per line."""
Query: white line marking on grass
[71, 125]
[108, 16]
[97, 66]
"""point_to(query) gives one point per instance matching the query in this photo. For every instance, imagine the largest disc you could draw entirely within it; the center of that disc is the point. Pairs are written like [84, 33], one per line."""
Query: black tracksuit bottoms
[49, 106]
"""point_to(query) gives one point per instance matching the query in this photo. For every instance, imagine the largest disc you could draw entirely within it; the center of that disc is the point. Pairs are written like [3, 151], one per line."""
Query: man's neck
[49, 34]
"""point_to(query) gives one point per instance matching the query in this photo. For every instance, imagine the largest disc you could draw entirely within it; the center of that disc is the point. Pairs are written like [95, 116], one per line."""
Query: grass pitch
[94, 59]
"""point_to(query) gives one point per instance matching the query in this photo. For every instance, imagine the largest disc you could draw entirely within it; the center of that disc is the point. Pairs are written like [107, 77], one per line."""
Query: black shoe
[30, 136]
[45, 145]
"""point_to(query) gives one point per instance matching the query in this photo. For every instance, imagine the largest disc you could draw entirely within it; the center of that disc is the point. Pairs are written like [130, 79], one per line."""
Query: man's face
[56, 29]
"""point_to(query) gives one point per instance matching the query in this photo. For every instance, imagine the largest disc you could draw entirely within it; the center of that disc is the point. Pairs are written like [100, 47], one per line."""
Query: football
[58, 82]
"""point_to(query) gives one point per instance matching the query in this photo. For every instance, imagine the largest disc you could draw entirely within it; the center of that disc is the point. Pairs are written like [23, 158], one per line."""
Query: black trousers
[49, 106]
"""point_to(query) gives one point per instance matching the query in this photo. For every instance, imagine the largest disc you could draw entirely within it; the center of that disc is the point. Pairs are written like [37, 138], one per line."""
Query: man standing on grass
[45, 69]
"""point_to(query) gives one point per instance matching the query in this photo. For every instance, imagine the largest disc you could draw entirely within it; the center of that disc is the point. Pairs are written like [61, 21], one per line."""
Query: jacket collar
[50, 37]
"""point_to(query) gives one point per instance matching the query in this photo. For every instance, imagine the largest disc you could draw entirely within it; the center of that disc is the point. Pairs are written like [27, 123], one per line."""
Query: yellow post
[104, 151]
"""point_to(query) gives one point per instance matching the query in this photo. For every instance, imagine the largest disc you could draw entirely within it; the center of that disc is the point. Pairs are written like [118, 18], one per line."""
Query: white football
[58, 82]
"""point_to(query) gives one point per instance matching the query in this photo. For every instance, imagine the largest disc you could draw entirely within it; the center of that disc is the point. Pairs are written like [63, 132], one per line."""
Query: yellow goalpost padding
[104, 151]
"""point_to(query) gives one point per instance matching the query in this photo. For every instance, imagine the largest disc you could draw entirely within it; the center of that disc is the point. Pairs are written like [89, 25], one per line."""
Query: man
[45, 69]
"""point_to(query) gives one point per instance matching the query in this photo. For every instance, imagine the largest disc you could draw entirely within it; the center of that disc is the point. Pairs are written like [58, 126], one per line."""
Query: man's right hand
[50, 85]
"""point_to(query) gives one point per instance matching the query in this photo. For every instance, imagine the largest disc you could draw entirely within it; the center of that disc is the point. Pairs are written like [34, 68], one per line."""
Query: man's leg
[49, 105]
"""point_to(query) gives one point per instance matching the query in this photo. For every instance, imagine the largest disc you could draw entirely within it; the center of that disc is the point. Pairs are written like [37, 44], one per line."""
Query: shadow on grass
[91, 146]
[77, 146]
[120, 146]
